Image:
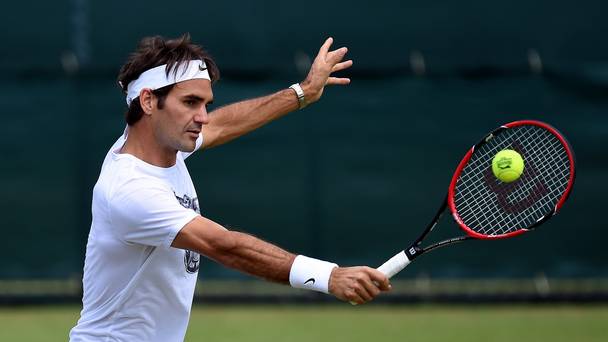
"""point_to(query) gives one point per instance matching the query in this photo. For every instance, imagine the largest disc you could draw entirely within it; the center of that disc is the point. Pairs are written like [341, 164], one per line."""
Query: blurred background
[353, 178]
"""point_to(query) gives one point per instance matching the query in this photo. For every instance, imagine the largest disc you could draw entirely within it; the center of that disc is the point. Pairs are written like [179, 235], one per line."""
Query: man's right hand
[357, 285]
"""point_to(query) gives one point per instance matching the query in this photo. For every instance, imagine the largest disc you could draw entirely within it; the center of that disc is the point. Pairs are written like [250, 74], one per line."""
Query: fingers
[355, 298]
[337, 80]
[368, 286]
[368, 291]
[342, 65]
[380, 279]
[325, 47]
[335, 56]
[358, 285]
[361, 293]
[319, 75]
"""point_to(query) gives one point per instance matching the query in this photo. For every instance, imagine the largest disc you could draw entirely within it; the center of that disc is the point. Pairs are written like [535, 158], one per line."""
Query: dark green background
[353, 178]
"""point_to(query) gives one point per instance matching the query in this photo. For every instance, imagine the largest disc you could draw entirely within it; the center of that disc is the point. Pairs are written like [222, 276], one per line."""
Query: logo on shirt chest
[188, 202]
[192, 260]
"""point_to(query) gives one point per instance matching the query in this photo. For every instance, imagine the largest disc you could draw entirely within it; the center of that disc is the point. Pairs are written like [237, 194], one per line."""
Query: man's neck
[142, 144]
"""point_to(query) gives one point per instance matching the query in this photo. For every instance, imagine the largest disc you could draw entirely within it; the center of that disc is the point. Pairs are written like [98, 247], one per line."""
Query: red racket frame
[466, 159]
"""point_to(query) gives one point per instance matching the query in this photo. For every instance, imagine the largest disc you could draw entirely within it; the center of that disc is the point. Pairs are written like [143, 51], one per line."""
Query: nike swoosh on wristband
[311, 279]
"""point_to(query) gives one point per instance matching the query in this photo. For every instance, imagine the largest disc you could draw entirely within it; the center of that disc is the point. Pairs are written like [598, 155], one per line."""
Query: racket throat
[414, 251]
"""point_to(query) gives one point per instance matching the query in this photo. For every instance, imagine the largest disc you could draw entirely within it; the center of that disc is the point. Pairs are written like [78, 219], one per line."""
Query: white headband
[156, 77]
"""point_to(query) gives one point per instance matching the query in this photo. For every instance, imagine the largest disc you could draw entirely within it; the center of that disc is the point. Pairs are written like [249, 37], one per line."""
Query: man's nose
[202, 116]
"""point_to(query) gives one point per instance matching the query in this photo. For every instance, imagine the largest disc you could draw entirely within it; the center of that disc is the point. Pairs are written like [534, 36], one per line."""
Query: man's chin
[188, 147]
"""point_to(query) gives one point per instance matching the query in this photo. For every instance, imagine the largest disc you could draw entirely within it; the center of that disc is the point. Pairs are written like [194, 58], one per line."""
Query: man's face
[178, 124]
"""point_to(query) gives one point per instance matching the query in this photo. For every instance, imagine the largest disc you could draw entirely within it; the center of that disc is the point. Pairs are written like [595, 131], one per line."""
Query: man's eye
[189, 102]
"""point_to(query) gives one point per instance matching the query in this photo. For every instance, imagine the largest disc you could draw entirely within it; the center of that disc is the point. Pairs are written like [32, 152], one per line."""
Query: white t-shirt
[136, 286]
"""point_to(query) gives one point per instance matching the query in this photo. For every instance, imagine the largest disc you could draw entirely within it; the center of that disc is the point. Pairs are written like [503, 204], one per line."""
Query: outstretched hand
[357, 285]
[326, 63]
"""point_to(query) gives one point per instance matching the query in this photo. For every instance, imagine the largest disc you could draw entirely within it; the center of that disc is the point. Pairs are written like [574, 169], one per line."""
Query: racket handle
[395, 264]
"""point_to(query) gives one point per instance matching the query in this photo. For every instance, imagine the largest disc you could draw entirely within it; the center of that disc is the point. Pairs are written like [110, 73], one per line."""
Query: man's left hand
[326, 63]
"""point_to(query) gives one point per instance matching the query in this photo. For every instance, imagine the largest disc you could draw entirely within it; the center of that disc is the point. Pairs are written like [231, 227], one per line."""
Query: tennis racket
[486, 208]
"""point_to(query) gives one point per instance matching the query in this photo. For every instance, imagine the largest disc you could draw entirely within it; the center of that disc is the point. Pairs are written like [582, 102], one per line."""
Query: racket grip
[395, 264]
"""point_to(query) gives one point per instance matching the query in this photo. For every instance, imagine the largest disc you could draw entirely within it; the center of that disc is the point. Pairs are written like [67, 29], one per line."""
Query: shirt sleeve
[146, 212]
[199, 143]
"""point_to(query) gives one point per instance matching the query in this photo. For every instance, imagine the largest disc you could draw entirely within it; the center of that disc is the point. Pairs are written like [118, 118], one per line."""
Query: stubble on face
[177, 127]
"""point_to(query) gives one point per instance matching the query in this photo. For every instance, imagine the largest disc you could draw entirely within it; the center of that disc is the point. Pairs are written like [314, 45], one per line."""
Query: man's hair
[154, 51]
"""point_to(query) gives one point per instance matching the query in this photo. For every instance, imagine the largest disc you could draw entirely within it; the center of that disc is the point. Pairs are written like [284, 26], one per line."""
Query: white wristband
[310, 274]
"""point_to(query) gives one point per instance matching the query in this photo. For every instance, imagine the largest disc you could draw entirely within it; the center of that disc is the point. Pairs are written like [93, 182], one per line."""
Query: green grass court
[344, 323]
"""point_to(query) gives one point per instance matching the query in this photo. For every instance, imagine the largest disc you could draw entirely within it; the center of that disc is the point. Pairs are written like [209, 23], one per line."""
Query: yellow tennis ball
[507, 165]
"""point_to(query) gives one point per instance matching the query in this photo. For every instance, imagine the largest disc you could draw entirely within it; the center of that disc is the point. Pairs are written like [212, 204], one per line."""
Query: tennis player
[147, 234]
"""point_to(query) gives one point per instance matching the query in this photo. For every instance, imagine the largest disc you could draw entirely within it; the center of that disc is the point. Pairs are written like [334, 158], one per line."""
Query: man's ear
[147, 101]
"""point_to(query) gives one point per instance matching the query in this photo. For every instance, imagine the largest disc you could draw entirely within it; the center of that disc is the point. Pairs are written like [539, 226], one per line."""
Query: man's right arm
[251, 255]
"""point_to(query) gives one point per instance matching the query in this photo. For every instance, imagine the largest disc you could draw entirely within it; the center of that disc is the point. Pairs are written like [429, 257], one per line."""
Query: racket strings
[490, 207]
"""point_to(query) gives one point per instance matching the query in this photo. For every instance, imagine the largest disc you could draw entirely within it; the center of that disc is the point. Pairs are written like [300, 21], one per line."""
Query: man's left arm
[232, 121]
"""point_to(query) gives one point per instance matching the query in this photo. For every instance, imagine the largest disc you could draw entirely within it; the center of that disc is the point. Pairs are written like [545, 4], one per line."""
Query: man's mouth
[194, 133]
